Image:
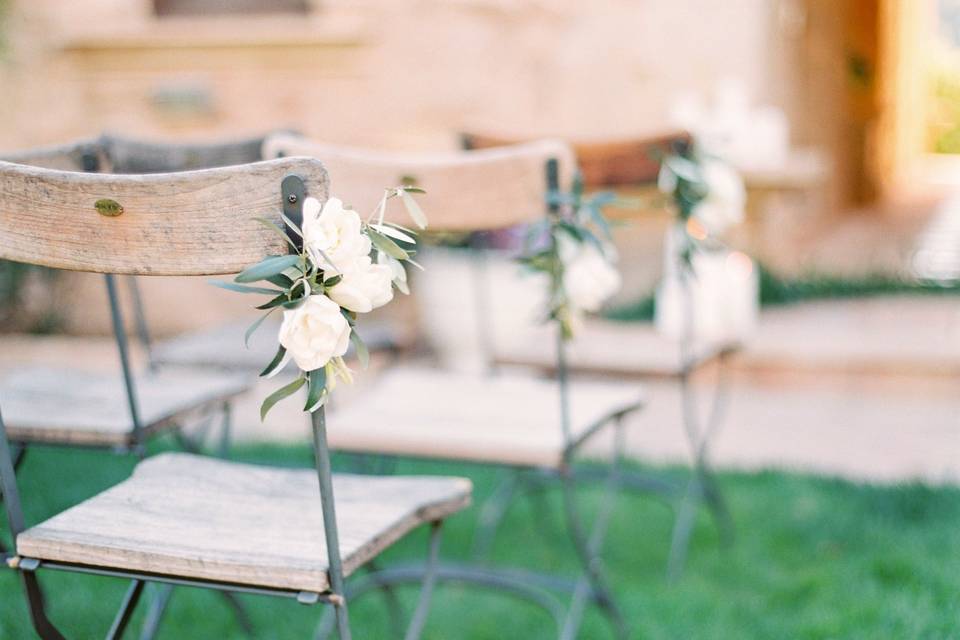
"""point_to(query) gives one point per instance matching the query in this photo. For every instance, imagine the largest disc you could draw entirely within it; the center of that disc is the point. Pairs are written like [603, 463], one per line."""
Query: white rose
[334, 232]
[589, 279]
[364, 286]
[315, 332]
[725, 200]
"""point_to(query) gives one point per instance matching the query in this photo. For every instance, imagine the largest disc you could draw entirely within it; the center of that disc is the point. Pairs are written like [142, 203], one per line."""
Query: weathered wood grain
[132, 155]
[69, 406]
[604, 163]
[504, 419]
[466, 191]
[188, 223]
[196, 517]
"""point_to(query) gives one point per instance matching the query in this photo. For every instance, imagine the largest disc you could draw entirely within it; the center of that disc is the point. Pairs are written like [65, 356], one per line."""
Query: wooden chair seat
[222, 347]
[604, 347]
[70, 406]
[200, 518]
[510, 418]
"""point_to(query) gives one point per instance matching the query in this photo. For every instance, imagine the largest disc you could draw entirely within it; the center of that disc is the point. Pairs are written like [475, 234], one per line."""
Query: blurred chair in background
[631, 167]
[535, 428]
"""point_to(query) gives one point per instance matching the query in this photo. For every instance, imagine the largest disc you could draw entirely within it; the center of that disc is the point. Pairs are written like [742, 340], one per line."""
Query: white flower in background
[364, 286]
[335, 233]
[315, 332]
[589, 278]
[726, 197]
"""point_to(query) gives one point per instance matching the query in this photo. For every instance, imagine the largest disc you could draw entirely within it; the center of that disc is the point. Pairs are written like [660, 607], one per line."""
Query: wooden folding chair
[531, 426]
[607, 348]
[184, 519]
[73, 407]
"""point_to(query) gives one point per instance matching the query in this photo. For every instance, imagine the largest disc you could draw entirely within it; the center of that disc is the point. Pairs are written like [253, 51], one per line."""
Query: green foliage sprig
[573, 218]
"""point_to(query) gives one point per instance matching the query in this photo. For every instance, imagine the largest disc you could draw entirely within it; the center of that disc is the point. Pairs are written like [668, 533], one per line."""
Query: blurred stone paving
[867, 389]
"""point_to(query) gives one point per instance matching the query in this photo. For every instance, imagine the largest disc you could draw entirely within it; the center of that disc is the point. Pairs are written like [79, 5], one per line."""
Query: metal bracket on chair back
[90, 160]
[293, 191]
[553, 185]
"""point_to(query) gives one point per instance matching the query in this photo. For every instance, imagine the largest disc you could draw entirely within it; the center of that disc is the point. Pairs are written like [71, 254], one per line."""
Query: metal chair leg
[492, 513]
[593, 582]
[394, 608]
[38, 614]
[702, 488]
[226, 426]
[18, 453]
[126, 610]
[517, 584]
[239, 612]
[683, 528]
[158, 606]
[426, 591]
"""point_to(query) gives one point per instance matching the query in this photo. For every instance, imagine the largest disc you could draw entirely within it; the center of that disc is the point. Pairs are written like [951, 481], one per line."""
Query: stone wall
[402, 74]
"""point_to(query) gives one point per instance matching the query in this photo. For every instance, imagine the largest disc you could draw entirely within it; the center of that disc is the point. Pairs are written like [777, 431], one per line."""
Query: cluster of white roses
[589, 276]
[317, 331]
[579, 258]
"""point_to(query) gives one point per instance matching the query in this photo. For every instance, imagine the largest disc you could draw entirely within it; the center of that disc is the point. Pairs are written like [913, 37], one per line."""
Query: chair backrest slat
[605, 163]
[466, 190]
[188, 223]
[131, 155]
[82, 155]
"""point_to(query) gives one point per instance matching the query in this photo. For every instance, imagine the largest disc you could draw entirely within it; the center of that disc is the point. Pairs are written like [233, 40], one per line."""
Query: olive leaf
[416, 213]
[271, 266]
[316, 390]
[253, 327]
[386, 245]
[396, 234]
[233, 286]
[275, 363]
[280, 394]
[363, 354]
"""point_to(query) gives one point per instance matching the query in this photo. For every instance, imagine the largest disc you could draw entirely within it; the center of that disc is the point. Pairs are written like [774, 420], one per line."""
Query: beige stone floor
[866, 389]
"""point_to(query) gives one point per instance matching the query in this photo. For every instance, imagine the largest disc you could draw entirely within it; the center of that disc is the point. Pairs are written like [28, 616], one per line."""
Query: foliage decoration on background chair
[707, 194]
[573, 246]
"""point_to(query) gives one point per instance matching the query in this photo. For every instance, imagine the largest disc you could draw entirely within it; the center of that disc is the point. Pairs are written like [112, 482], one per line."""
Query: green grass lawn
[814, 558]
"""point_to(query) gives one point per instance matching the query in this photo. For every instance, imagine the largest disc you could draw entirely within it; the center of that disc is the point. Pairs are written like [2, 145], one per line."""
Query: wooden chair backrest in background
[627, 162]
[466, 190]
